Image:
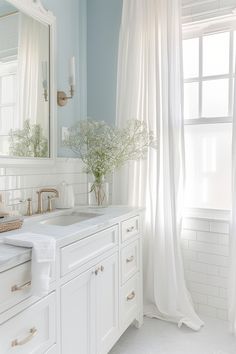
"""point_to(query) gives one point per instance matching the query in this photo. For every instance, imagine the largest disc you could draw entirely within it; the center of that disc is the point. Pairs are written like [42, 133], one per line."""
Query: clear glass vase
[98, 193]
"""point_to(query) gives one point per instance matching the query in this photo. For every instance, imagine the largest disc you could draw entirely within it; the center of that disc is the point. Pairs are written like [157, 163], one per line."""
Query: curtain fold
[32, 53]
[232, 277]
[150, 89]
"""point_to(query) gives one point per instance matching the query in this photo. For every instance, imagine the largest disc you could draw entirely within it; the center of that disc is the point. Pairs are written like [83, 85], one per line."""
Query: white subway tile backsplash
[217, 281]
[189, 235]
[196, 224]
[222, 314]
[205, 247]
[224, 239]
[203, 268]
[20, 183]
[209, 248]
[199, 298]
[203, 289]
[223, 293]
[189, 255]
[208, 237]
[207, 310]
[184, 244]
[217, 302]
[219, 227]
[196, 277]
[213, 259]
[224, 272]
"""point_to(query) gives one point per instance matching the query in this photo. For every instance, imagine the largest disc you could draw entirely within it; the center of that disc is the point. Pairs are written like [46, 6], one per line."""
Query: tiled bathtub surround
[205, 245]
[19, 183]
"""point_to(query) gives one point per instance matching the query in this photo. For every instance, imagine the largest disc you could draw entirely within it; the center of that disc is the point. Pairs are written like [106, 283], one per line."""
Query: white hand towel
[43, 258]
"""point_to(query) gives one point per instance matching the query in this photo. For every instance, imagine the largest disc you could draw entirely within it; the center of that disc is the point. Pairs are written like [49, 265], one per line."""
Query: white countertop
[10, 256]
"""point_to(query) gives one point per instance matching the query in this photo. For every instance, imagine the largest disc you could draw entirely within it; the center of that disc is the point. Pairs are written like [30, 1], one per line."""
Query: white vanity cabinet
[32, 331]
[100, 303]
[95, 294]
[78, 315]
[89, 309]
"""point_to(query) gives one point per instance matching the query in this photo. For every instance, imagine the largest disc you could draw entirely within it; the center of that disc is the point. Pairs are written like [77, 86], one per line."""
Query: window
[208, 102]
[8, 88]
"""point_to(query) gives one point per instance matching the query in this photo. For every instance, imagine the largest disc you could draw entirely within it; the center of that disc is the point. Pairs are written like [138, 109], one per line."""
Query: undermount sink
[69, 219]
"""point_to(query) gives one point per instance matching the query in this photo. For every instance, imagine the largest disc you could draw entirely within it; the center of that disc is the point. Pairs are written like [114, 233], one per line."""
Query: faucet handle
[50, 198]
[29, 211]
[29, 207]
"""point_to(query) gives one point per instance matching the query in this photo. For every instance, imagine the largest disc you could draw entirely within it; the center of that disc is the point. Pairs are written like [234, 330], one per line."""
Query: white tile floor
[158, 337]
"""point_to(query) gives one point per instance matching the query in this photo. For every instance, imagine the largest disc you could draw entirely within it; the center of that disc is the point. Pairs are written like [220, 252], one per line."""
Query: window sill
[207, 214]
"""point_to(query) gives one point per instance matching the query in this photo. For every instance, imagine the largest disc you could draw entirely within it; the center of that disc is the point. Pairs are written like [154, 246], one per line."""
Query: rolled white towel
[43, 258]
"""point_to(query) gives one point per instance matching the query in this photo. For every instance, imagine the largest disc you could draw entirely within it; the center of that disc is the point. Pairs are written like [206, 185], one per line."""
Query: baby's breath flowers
[104, 148]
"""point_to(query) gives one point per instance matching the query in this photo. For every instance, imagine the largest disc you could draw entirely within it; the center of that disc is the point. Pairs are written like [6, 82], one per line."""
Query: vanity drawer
[15, 285]
[32, 331]
[129, 301]
[129, 260]
[78, 253]
[130, 228]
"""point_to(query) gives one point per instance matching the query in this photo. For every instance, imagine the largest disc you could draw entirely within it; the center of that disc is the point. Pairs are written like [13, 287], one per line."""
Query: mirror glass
[24, 84]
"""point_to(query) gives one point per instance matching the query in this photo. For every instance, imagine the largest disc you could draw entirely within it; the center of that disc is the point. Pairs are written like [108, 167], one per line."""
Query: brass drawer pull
[33, 331]
[130, 259]
[20, 287]
[131, 296]
[130, 229]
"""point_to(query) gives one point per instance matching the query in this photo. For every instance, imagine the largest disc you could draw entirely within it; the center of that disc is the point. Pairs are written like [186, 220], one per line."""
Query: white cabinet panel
[129, 302]
[30, 332]
[78, 253]
[130, 228]
[16, 285]
[78, 315]
[107, 304]
[129, 260]
[89, 310]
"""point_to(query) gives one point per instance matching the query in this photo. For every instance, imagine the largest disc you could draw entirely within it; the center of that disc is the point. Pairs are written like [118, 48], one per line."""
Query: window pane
[7, 119]
[216, 54]
[8, 89]
[191, 100]
[4, 145]
[234, 52]
[215, 98]
[208, 166]
[191, 58]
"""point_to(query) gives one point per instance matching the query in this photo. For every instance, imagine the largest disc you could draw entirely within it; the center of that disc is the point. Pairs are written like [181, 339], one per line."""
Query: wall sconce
[45, 80]
[62, 97]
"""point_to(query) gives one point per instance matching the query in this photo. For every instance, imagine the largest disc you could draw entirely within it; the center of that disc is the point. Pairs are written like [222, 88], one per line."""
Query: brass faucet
[40, 199]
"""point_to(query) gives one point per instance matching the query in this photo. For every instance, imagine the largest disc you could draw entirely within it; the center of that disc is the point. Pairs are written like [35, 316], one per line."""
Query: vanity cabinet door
[78, 315]
[107, 304]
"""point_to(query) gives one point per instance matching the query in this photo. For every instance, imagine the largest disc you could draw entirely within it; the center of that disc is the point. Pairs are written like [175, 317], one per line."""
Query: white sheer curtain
[232, 278]
[32, 52]
[150, 89]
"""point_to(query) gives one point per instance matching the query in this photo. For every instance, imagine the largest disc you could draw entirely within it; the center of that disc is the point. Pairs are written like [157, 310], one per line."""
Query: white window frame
[11, 71]
[198, 30]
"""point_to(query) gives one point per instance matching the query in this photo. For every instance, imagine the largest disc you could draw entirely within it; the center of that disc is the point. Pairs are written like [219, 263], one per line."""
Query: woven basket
[10, 225]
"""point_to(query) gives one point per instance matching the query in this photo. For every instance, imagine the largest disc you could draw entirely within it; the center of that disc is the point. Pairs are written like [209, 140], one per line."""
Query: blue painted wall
[71, 40]
[88, 29]
[103, 24]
